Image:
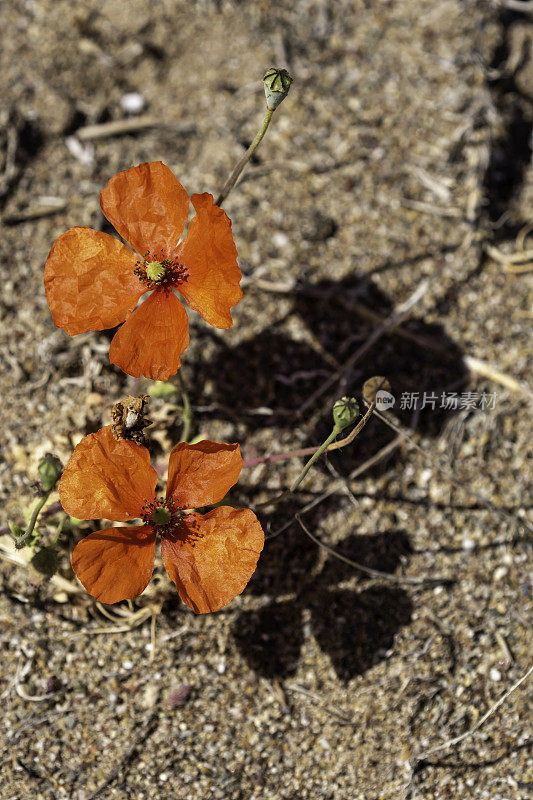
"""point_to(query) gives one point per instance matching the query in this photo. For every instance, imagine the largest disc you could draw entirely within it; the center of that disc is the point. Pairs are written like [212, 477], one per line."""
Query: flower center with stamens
[157, 270]
[163, 515]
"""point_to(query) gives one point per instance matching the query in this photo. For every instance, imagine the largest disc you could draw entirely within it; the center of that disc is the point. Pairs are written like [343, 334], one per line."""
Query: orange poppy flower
[210, 557]
[93, 281]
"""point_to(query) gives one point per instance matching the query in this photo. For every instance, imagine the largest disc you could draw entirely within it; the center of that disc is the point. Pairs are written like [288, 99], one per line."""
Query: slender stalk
[60, 526]
[333, 435]
[318, 452]
[310, 451]
[329, 444]
[240, 165]
[20, 541]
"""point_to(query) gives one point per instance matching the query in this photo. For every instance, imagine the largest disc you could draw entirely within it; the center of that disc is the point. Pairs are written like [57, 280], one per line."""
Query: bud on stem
[277, 83]
[345, 412]
[49, 469]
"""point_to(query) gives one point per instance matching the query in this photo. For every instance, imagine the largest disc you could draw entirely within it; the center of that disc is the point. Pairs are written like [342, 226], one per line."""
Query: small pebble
[179, 695]
[495, 674]
[280, 240]
[500, 573]
[132, 103]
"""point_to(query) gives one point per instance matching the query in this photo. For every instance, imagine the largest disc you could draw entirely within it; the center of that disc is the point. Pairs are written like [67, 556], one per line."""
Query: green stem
[60, 526]
[333, 435]
[20, 541]
[329, 444]
[324, 446]
[240, 165]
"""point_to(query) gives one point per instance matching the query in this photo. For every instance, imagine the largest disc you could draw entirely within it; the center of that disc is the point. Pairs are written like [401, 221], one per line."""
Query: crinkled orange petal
[202, 474]
[210, 256]
[89, 281]
[148, 206]
[106, 479]
[116, 563]
[213, 557]
[153, 338]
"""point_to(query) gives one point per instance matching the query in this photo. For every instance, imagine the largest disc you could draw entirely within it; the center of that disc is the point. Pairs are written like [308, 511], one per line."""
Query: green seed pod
[345, 412]
[44, 563]
[50, 469]
[277, 83]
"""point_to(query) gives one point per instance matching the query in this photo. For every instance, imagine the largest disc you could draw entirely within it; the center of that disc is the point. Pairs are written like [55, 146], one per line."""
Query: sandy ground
[400, 158]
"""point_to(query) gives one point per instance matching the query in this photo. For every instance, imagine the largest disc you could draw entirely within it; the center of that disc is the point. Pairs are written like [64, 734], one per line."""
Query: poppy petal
[116, 563]
[214, 556]
[106, 479]
[210, 256]
[89, 281]
[153, 338]
[202, 474]
[148, 206]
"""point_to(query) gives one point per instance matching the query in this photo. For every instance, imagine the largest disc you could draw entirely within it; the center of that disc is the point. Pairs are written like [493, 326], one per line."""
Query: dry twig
[457, 739]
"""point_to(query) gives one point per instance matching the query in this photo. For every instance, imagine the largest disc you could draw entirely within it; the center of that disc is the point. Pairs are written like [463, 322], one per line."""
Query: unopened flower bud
[45, 563]
[345, 412]
[50, 469]
[277, 83]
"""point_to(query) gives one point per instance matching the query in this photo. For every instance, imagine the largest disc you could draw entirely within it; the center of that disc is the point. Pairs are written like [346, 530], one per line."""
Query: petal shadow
[357, 629]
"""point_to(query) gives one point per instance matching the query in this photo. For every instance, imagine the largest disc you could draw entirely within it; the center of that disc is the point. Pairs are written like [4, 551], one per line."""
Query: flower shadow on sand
[354, 627]
[275, 371]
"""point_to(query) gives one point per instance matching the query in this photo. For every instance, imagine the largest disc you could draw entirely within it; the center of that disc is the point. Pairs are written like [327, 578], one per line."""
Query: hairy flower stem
[329, 444]
[240, 165]
[20, 541]
[310, 451]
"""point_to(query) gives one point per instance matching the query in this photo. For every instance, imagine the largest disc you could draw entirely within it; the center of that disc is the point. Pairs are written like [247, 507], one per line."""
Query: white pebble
[495, 674]
[280, 240]
[500, 573]
[425, 475]
[132, 103]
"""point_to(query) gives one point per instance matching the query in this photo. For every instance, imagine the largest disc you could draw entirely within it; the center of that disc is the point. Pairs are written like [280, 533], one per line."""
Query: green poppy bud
[277, 83]
[50, 469]
[345, 412]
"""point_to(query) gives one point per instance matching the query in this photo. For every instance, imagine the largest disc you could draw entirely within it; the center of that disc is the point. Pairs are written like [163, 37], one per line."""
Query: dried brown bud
[377, 390]
[129, 420]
